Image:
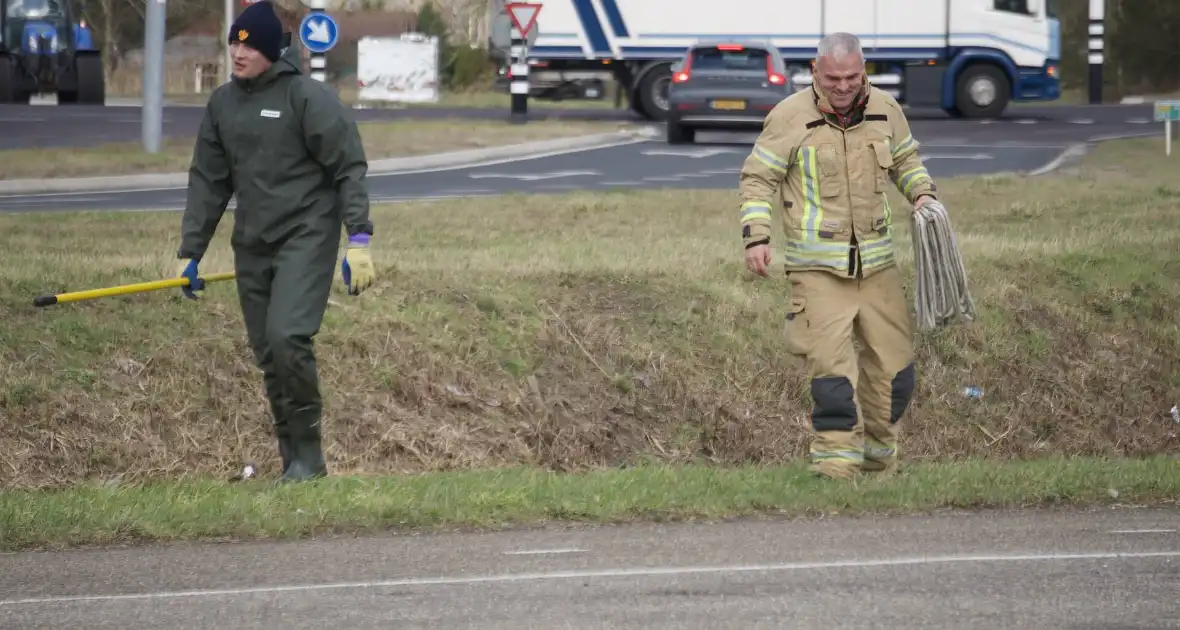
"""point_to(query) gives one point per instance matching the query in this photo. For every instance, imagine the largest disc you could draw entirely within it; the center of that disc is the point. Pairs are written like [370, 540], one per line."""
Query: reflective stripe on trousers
[844, 456]
[875, 449]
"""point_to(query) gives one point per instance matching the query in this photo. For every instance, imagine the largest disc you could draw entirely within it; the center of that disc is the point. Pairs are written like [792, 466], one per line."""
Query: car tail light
[682, 76]
[731, 47]
[772, 76]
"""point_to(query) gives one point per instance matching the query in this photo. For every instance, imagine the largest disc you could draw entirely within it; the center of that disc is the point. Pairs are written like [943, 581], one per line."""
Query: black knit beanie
[259, 28]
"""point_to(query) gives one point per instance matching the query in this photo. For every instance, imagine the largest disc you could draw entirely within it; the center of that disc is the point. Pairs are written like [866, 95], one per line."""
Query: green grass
[208, 509]
[587, 333]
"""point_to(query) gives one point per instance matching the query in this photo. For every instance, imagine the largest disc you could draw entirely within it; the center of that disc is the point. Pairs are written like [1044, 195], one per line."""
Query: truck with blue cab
[970, 58]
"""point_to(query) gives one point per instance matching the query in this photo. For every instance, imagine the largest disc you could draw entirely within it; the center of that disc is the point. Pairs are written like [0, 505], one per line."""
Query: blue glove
[188, 269]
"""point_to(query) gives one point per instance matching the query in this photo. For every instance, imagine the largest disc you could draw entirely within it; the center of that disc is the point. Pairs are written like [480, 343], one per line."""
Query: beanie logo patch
[243, 34]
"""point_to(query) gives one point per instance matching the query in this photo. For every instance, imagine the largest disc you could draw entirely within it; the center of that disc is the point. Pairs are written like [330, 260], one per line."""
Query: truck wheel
[653, 92]
[982, 91]
[91, 81]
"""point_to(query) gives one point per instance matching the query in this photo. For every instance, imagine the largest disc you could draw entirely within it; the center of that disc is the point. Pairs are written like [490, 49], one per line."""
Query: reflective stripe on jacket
[830, 174]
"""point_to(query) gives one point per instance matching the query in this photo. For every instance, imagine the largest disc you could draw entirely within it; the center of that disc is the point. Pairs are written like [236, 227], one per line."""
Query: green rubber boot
[307, 454]
[282, 429]
[284, 449]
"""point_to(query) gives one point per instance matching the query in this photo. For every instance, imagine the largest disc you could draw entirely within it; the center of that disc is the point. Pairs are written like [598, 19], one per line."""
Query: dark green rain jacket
[290, 150]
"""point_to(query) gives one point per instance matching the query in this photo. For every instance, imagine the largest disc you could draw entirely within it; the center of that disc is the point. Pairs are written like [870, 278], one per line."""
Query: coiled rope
[941, 293]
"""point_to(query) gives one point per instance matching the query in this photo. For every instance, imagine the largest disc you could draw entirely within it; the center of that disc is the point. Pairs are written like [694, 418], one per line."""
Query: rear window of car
[713, 58]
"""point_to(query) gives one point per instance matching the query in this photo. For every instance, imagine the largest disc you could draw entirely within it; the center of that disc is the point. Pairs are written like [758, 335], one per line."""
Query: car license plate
[729, 104]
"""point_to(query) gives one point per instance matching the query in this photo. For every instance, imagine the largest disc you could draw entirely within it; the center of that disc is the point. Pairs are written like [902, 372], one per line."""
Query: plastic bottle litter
[972, 392]
[1176, 414]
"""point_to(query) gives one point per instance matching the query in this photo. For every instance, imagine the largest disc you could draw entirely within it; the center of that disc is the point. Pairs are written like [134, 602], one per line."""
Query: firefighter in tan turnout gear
[826, 157]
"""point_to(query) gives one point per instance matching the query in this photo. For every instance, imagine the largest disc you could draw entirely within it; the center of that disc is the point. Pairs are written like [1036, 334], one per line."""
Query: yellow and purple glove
[188, 269]
[357, 266]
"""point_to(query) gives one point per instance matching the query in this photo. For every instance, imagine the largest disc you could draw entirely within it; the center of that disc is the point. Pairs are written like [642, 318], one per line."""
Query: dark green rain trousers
[291, 152]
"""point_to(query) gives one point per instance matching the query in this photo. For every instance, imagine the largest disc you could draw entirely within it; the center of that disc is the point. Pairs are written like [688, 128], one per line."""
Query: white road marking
[662, 179]
[1138, 121]
[1142, 531]
[689, 153]
[511, 578]
[619, 183]
[371, 175]
[1082, 121]
[442, 197]
[538, 552]
[467, 191]
[510, 160]
[532, 177]
[1013, 144]
[1075, 150]
[968, 156]
[1121, 136]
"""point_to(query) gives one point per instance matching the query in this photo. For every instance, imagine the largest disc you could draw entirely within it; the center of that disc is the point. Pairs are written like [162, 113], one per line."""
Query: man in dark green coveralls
[289, 149]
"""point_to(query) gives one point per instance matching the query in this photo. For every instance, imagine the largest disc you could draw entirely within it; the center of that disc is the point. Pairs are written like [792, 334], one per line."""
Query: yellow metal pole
[156, 285]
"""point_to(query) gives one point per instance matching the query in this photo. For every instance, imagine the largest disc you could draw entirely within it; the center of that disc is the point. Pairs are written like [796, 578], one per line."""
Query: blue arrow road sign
[318, 32]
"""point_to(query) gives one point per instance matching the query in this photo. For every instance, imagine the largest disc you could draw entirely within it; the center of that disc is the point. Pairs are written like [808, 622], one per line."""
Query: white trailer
[967, 57]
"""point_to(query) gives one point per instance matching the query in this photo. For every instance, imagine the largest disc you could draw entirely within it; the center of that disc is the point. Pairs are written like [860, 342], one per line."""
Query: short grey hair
[838, 45]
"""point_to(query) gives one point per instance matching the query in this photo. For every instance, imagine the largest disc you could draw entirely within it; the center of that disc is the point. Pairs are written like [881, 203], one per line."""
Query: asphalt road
[951, 147]
[1108, 568]
[32, 126]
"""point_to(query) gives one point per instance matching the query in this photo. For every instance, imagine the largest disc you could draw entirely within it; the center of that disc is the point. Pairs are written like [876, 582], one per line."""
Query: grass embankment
[583, 331]
[382, 140]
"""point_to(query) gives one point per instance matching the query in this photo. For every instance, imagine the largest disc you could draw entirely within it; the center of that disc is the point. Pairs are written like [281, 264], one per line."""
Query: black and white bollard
[318, 60]
[1097, 35]
[520, 77]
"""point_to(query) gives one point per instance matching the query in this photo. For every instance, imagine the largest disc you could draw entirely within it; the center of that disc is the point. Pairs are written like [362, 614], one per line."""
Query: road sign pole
[1168, 137]
[152, 113]
[228, 70]
[1097, 37]
[524, 18]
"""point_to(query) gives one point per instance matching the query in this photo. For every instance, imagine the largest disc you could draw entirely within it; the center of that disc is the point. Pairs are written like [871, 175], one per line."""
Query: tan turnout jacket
[836, 171]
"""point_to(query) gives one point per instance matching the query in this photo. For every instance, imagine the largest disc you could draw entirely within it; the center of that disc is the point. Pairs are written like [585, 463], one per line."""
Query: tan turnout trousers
[858, 398]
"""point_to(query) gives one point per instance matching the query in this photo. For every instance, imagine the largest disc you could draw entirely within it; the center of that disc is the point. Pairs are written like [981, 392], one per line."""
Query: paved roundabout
[1031, 142]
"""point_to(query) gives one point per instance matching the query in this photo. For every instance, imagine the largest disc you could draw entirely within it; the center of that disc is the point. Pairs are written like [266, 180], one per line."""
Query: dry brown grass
[382, 140]
[589, 330]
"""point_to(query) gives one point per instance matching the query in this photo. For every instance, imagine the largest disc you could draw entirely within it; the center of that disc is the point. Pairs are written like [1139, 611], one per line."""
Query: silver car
[725, 86]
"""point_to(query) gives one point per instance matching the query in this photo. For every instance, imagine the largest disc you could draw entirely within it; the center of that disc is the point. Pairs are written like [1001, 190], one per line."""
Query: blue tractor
[42, 50]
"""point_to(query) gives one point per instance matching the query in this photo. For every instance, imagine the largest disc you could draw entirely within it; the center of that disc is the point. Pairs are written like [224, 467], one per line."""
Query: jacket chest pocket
[828, 170]
[879, 163]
